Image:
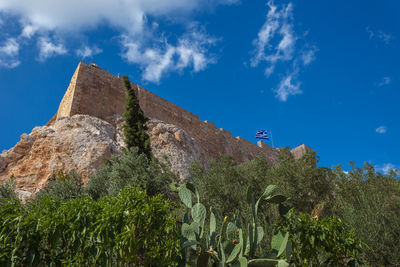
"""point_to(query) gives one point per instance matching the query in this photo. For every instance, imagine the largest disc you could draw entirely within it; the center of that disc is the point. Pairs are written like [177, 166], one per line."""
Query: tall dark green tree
[135, 128]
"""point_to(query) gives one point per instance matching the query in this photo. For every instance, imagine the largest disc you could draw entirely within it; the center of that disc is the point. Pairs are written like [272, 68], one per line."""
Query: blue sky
[323, 73]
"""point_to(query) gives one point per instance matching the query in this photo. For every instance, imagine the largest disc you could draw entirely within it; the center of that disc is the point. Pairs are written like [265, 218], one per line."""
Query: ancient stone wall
[98, 93]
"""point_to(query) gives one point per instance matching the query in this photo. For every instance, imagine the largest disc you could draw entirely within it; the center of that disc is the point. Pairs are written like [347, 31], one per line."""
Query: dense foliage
[324, 242]
[370, 202]
[135, 129]
[130, 168]
[364, 199]
[131, 229]
[63, 186]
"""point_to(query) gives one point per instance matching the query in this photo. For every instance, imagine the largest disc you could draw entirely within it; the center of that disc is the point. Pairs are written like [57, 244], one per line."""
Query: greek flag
[262, 134]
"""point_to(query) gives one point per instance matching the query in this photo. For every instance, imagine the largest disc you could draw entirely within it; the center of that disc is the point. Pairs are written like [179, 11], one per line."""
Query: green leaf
[242, 261]
[235, 253]
[276, 241]
[230, 230]
[192, 188]
[283, 245]
[282, 263]
[189, 243]
[213, 222]
[260, 234]
[199, 213]
[186, 196]
[269, 190]
[188, 232]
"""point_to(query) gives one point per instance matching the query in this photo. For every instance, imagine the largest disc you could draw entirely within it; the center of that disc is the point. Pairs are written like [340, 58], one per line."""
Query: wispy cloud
[288, 86]
[379, 35]
[381, 129]
[9, 54]
[308, 55]
[88, 52]
[385, 81]
[29, 30]
[50, 49]
[189, 52]
[386, 168]
[276, 44]
[132, 20]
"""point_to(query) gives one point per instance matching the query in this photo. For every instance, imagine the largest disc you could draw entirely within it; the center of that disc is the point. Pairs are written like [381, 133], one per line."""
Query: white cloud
[380, 35]
[87, 52]
[28, 31]
[131, 19]
[276, 43]
[278, 24]
[386, 168]
[50, 49]
[9, 53]
[381, 129]
[308, 55]
[288, 86]
[190, 51]
[76, 14]
[385, 81]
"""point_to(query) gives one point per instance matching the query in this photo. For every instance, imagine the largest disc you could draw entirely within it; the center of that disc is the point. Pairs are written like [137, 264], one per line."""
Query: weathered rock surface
[81, 143]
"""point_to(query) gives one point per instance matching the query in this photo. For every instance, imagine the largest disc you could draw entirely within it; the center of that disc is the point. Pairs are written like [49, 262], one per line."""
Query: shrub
[130, 169]
[7, 190]
[63, 186]
[370, 202]
[324, 242]
[131, 229]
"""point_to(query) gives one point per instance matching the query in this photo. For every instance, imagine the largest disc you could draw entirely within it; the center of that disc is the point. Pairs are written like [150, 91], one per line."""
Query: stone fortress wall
[98, 93]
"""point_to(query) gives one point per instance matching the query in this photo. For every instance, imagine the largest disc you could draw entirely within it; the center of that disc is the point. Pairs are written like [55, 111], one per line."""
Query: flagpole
[272, 139]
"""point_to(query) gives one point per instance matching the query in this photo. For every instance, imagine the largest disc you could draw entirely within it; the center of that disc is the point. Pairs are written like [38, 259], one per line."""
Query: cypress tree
[135, 122]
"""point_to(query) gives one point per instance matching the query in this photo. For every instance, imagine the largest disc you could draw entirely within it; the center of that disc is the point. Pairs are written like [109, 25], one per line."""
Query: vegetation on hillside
[333, 212]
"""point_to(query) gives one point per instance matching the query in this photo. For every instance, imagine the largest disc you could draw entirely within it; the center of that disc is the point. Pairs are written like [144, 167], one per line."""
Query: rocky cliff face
[81, 143]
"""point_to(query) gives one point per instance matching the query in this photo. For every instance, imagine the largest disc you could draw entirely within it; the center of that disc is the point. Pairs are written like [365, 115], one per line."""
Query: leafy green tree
[130, 169]
[135, 122]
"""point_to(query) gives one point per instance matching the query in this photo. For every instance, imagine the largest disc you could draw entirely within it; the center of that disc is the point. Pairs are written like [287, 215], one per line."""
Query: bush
[131, 229]
[7, 190]
[370, 202]
[130, 169]
[325, 242]
[63, 186]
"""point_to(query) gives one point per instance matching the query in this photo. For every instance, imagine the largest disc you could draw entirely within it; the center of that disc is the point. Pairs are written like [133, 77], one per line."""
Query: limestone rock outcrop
[81, 143]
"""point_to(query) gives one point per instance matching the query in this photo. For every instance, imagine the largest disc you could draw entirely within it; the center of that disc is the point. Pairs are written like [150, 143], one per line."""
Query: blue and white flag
[262, 134]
